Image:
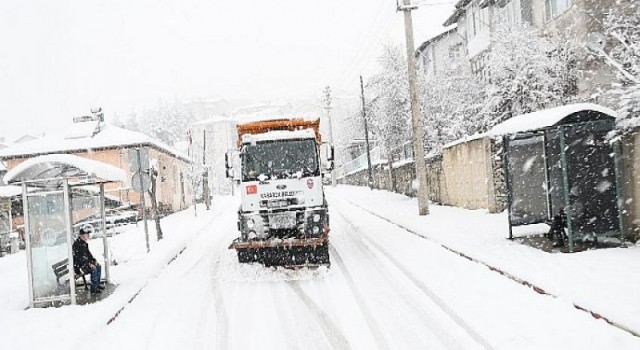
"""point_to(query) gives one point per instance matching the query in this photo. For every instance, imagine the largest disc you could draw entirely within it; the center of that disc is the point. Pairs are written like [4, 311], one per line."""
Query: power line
[355, 60]
[366, 54]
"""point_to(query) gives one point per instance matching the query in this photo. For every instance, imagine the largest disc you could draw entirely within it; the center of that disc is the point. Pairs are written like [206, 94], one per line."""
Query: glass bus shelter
[564, 159]
[59, 198]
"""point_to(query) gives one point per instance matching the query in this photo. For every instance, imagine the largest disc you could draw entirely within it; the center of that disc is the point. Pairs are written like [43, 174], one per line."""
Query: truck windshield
[280, 159]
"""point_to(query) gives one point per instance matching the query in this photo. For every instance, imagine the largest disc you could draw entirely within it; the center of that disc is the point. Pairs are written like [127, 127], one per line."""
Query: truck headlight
[316, 217]
[250, 223]
[315, 230]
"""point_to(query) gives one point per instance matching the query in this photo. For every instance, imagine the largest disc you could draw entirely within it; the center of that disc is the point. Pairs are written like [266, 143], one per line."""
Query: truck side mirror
[330, 165]
[227, 162]
[230, 173]
[327, 150]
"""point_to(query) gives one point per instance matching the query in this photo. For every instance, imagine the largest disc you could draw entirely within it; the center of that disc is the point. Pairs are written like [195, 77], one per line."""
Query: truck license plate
[279, 221]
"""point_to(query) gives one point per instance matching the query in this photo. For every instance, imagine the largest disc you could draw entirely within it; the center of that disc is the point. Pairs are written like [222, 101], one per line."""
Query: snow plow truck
[283, 217]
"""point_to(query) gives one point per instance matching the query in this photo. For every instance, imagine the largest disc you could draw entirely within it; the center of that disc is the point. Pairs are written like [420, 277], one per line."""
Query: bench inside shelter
[61, 269]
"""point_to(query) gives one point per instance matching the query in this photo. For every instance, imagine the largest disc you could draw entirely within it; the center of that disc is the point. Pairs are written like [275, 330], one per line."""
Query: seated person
[556, 230]
[84, 262]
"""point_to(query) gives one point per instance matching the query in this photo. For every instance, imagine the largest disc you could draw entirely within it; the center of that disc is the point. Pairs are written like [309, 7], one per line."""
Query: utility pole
[366, 134]
[142, 201]
[416, 122]
[193, 176]
[205, 171]
[327, 107]
[226, 131]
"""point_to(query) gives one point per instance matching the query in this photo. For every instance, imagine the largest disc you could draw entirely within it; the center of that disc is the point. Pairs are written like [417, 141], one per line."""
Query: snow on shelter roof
[109, 136]
[545, 118]
[63, 165]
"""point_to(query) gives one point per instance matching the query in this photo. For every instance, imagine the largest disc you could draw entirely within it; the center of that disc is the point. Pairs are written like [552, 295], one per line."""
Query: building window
[477, 19]
[479, 67]
[556, 7]
[455, 51]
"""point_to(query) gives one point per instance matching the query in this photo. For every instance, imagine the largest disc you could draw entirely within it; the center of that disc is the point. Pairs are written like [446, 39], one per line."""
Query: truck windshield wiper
[266, 165]
[298, 162]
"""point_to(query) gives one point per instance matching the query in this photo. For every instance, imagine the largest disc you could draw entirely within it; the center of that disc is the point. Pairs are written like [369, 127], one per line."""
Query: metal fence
[402, 152]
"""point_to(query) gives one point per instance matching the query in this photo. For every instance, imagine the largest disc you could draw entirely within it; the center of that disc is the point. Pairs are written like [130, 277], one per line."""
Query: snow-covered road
[386, 289]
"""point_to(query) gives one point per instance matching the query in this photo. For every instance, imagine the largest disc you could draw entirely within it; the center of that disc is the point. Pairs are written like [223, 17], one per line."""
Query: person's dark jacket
[82, 257]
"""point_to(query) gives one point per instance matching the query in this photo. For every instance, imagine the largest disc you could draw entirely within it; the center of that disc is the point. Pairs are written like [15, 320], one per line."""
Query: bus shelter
[563, 159]
[56, 205]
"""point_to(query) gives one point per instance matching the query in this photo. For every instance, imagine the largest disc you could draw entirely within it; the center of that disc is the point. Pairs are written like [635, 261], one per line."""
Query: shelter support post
[105, 241]
[69, 228]
[565, 187]
[616, 163]
[25, 209]
[505, 162]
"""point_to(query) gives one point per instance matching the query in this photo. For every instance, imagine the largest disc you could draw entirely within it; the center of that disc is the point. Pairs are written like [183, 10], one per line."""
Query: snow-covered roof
[63, 165]
[110, 136]
[10, 191]
[445, 32]
[280, 135]
[214, 119]
[545, 118]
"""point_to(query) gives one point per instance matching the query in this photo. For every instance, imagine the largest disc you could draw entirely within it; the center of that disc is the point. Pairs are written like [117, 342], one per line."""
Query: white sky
[59, 58]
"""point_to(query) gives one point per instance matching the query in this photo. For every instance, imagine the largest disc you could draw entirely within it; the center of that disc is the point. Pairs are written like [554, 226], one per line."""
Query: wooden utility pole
[366, 134]
[327, 107]
[416, 120]
[142, 201]
[205, 172]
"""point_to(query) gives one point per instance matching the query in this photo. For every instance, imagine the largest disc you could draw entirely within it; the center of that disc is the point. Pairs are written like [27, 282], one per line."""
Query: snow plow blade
[286, 253]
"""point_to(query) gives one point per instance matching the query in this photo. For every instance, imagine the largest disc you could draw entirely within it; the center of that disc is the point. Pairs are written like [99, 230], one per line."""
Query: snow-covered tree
[131, 123]
[526, 72]
[622, 33]
[388, 101]
[451, 105]
[167, 122]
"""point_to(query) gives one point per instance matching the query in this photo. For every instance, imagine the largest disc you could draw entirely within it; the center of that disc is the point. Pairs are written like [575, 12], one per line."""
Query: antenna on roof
[96, 115]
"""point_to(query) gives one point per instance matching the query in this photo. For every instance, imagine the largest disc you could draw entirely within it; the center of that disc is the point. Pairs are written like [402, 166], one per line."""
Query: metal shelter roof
[546, 118]
[49, 169]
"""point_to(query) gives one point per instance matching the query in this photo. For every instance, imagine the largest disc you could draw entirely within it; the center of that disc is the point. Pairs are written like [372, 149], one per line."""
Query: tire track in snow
[298, 339]
[222, 318]
[508, 275]
[329, 328]
[442, 333]
[135, 295]
[371, 323]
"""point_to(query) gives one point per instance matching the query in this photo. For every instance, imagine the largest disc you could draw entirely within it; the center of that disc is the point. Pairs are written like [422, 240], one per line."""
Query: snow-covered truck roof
[277, 129]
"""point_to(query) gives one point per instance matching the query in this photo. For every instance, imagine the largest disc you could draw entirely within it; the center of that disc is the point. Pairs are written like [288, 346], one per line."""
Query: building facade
[214, 136]
[440, 53]
[574, 20]
[110, 144]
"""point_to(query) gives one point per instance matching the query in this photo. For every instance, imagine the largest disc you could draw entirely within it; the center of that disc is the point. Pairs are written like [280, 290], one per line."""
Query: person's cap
[83, 231]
